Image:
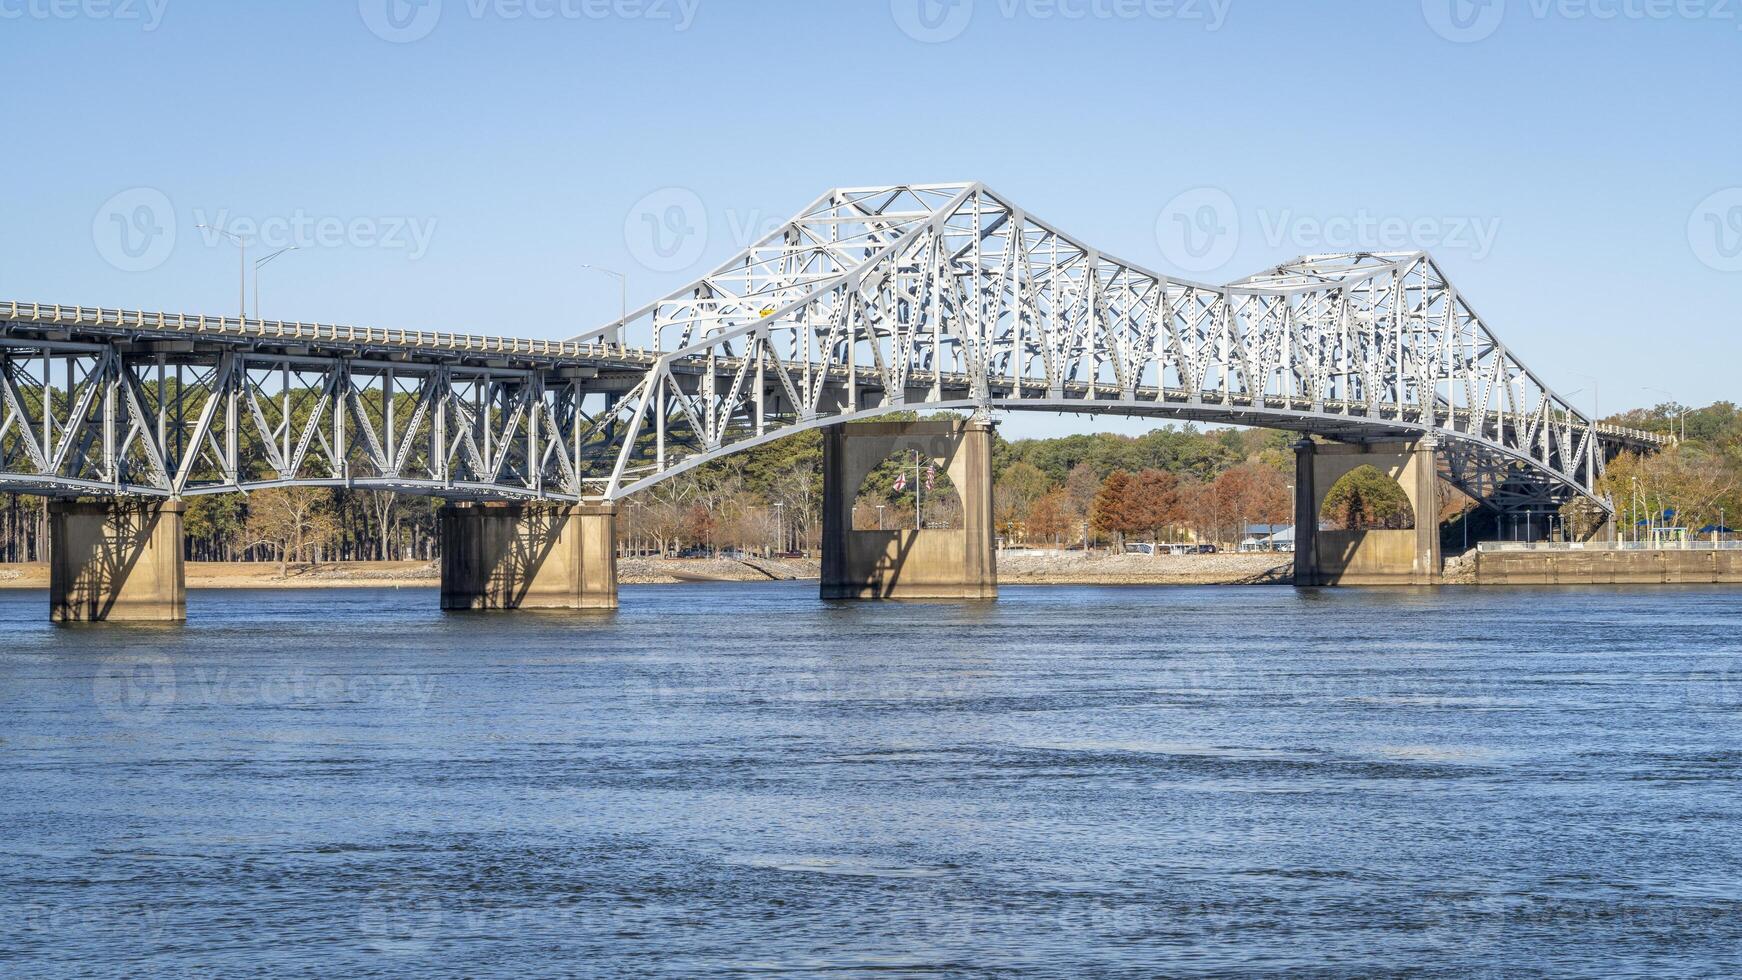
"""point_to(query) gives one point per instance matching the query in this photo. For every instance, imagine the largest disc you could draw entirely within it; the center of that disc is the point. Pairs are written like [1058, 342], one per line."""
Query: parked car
[1206, 549]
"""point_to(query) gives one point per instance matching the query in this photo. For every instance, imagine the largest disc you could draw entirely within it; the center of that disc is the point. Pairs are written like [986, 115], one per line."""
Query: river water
[737, 779]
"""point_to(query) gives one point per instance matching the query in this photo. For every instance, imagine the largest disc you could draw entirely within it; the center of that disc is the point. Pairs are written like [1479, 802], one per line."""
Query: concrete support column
[910, 563]
[838, 500]
[979, 526]
[1369, 557]
[1306, 515]
[529, 556]
[116, 561]
[1425, 498]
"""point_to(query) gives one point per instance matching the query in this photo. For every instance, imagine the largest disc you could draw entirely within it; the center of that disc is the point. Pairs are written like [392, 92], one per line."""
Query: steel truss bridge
[869, 301]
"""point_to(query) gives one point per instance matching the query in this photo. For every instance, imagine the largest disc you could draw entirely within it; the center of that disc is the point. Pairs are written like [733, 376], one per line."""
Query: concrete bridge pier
[116, 561]
[1379, 557]
[529, 556]
[958, 563]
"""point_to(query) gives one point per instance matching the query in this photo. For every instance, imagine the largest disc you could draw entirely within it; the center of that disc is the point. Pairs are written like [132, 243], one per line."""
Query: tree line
[1695, 484]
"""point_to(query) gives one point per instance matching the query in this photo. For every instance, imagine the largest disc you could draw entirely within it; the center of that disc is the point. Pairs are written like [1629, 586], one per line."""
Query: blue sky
[450, 164]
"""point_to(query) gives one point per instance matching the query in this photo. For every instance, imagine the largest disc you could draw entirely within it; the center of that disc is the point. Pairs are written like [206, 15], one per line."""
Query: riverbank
[1066, 568]
[265, 575]
[1075, 568]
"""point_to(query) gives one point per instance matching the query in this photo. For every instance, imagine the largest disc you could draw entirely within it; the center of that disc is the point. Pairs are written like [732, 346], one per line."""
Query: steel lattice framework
[950, 296]
[871, 300]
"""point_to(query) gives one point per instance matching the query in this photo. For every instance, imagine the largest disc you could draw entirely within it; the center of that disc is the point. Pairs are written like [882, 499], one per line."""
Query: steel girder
[107, 418]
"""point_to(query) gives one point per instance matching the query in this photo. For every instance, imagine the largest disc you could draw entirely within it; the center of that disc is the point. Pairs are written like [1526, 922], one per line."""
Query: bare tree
[292, 520]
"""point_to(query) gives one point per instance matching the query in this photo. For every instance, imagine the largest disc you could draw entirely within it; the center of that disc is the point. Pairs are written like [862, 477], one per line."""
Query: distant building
[1268, 537]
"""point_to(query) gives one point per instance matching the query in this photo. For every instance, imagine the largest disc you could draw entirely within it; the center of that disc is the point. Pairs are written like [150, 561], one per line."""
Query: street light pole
[1681, 413]
[1596, 395]
[622, 297]
[241, 270]
[260, 263]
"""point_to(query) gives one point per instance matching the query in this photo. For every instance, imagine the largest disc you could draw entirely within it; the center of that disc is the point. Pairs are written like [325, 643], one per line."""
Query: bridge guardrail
[313, 332]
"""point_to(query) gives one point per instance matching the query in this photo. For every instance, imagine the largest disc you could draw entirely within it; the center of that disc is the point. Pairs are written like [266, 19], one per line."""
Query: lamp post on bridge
[258, 265]
[622, 296]
[1596, 394]
[1681, 413]
[241, 269]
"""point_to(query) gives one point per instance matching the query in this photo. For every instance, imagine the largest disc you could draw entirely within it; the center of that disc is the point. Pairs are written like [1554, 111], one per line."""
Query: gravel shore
[1075, 568]
[1064, 568]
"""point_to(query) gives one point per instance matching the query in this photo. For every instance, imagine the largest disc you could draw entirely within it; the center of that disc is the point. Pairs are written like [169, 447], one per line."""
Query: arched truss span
[927, 296]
